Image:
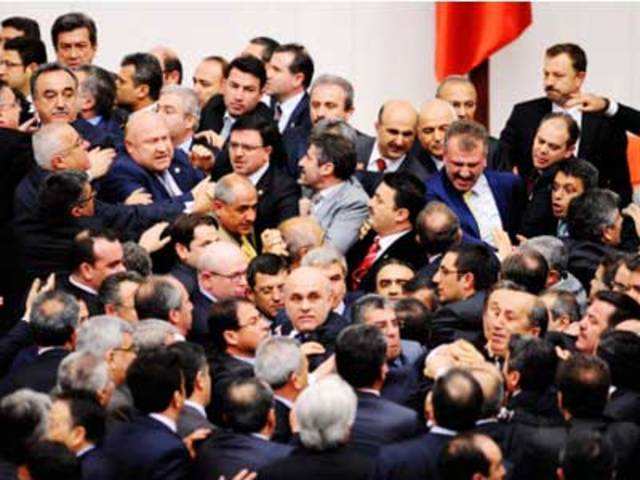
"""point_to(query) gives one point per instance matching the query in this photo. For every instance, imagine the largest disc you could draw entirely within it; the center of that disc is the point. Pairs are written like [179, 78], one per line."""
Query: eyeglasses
[84, 200]
[235, 277]
[8, 64]
[244, 147]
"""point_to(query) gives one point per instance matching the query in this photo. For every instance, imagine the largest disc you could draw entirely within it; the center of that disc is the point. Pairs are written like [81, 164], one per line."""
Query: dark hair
[109, 292]
[246, 405]
[147, 71]
[471, 133]
[267, 129]
[573, 129]
[575, 53]
[587, 455]
[102, 86]
[173, 64]
[157, 297]
[526, 267]
[23, 416]
[53, 326]
[269, 45]
[27, 26]
[409, 192]
[414, 319]
[192, 360]
[49, 68]
[621, 351]
[584, 381]
[443, 238]
[183, 228]
[82, 250]
[85, 412]
[590, 213]
[535, 360]
[223, 316]
[73, 21]
[479, 260]
[461, 458]
[360, 354]
[338, 150]
[153, 378]
[265, 264]
[582, 170]
[48, 460]
[250, 65]
[30, 50]
[301, 63]
[564, 303]
[370, 301]
[625, 307]
[136, 258]
[457, 400]
[59, 193]
[610, 264]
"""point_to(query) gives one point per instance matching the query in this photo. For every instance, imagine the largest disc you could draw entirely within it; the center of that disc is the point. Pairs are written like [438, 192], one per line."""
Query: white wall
[385, 49]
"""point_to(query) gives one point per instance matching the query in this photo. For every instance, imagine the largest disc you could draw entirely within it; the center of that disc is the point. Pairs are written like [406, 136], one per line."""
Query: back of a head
[492, 384]
[54, 317]
[246, 405]
[338, 150]
[192, 361]
[277, 358]
[360, 353]
[535, 360]
[325, 412]
[85, 412]
[462, 459]
[584, 381]
[438, 227]
[223, 316]
[526, 267]
[156, 297]
[102, 333]
[26, 25]
[590, 213]
[82, 371]
[153, 333]
[478, 260]
[552, 249]
[136, 259]
[409, 192]
[48, 460]
[153, 378]
[588, 455]
[621, 351]
[457, 400]
[29, 49]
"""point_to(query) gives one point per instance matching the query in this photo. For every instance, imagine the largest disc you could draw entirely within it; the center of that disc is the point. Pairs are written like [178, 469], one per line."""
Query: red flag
[468, 33]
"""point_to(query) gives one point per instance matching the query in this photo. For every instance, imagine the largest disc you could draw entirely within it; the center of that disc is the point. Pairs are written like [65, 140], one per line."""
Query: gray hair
[82, 370]
[323, 257]
[343, 83]
[102, 333]
[336, 126]
[54, 326]
[136, 259]
[26, 403]
[325, 412]
[188, 98]
[47, 142]
[277, 358]
[225, 187]
[152, 333]
[552, 249]
[371, 301]
[453, 79]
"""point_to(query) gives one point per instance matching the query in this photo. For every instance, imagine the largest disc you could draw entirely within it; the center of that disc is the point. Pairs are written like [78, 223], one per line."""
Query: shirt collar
[150, 108]
[196, 406]
[340, 308]
[81, 286]
[255, 177]
[94, 120]
[290, 104]
[443, 431]
[186, 145]
[480, 186]
[84, 450]
[285, 401]
[207, 294]
[375, 154]
[370, 391]
[249, 360]
[166, 421]
[387, 241]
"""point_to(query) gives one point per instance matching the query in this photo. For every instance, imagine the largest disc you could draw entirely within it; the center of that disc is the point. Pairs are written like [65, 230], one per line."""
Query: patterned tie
[247, 248]
[369, 259]
[381, 164]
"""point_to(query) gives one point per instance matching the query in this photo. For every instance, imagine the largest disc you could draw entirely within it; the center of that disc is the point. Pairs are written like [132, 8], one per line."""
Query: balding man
[307, 301]
[208, 78]
[170, 64]
[222, 274]
[461, 93]
[301, 234]
[433, 122]
[390, 151]
[150, 165]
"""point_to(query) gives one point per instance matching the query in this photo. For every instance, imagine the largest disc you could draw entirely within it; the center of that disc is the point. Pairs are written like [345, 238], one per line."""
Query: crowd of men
[229, 280]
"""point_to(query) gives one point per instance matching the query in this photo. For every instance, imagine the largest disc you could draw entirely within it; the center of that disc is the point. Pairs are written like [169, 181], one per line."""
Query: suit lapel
[298, 113]
[459, 206]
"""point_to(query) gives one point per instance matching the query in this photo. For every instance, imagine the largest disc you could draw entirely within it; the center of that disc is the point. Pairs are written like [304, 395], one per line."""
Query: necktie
[381, 164]
[226, 126]
[247, 248]
[278, 113]
[369, 259]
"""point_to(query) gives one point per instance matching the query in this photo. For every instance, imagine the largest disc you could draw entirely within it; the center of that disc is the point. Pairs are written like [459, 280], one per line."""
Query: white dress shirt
[484, 209]
[287, 107]
[392, 164]
[387, 241]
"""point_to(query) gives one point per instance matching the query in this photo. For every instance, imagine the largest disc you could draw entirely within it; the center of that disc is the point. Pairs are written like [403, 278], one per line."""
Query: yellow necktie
[247, 248]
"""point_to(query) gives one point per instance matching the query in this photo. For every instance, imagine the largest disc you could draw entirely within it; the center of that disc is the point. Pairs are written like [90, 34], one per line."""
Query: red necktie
[381, 164]
[368, 260]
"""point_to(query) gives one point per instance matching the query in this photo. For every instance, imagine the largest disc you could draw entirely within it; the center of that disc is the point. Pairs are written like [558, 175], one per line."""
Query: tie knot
[381, 164]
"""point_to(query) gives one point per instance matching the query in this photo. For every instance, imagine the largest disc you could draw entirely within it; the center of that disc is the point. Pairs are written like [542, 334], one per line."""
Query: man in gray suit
[339, 204]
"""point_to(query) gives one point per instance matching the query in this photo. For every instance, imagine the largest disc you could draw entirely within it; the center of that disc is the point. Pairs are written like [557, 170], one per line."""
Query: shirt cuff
[612, 109]
[188, 206]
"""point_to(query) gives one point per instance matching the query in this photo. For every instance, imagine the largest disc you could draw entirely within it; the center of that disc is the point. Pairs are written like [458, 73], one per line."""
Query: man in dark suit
[75, 29]
[392, 213]
[583, 388]
[483, 200]
[266, 275]
[281, 363]
[361, 352]
[151, 164]
[197, 387]
[603, 122]
[248, 409]
[148, 446]
[462, 280]
[53, 320]
[251, 146]
[454, 405]
[22, 56]
[433, 122]
[139, 82]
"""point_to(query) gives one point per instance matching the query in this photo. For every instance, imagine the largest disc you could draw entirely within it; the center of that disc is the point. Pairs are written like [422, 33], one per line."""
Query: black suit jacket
[39, 375]
[535, 409]
[224, 369]
[200, 326]
[624, 406]
[12, 342]
[226, 453]
[456, 320]
[95, 465]
[187, 275]
[537, 217]
[190, 420]
[381, 422]
[278, 196]
[282, 433]
[94, 305]
[603, 141]
[404, 248]
[405, 383]
[146, 448]
[584, 258]
[336, 463]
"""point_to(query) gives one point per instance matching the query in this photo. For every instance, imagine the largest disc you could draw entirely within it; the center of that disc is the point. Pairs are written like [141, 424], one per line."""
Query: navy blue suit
[201, 308]
[226, 453]
[405, 383]
[95, 465]
[126, 176]
[39, 375]
[97, 137]
[147, 449]
[508, 192]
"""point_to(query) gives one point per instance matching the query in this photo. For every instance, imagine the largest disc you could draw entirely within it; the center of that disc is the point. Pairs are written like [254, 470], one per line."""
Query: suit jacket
[456, 320]
[12, 342]
[404, 248]
[126, 176]
[342, 214]
[40, 375]
[278, 196]
[212, 116]
[97, 137]
[94, 305]
[414, 459]
[508, 193]
[191, 420]
[405, 383]
[146, 448]
[225, 453]
[200, 326]
[282, 433]
[187, 275]
[535, 409]
[336, 463]
[537, 217]
[95, 465]
[603, 141]
[224, 369]
[624, 406]
[381, 422]
[584, 258]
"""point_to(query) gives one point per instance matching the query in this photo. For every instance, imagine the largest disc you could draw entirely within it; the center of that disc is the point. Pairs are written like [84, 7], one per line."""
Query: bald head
[461, 94]
[301, 234]
[148, 142]
[222, 270]
[235, 204]
[433, 122]
[218, 255]
[396, 128]
[307, 298]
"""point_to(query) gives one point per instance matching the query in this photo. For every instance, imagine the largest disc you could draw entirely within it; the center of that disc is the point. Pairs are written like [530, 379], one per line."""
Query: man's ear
[181, 251]
[402, 214]
[58, 163]
[230, 337]
[142, 91]
[76, 211]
